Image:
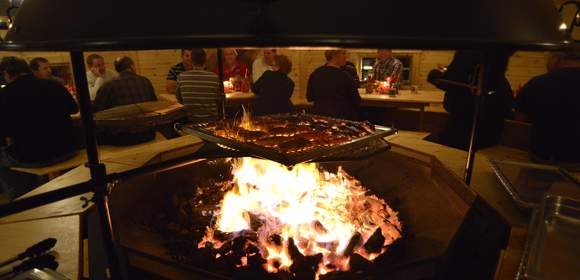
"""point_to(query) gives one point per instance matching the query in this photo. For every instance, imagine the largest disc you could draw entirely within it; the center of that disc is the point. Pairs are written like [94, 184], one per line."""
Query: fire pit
[300, 221]
[256, 219]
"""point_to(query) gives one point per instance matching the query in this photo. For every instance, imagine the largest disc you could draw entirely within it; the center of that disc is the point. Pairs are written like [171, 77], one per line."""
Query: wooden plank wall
[154, 64]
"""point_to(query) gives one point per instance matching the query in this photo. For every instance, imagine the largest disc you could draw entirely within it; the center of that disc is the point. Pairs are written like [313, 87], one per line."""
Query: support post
[97, 170]
[479, 91]
[220, 62]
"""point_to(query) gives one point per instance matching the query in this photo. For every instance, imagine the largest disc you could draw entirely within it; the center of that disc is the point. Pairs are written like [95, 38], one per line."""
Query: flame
[246, 121]
[320, 211]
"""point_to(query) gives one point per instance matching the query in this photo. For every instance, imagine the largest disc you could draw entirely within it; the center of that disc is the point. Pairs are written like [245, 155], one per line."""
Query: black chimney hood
[133, 24]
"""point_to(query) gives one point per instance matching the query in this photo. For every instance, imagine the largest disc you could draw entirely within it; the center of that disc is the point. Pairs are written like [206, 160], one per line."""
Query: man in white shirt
[97, 75]
[262, 64]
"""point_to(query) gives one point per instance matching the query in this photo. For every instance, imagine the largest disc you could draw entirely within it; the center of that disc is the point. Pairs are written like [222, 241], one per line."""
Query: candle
[228, 86]
[384, 87]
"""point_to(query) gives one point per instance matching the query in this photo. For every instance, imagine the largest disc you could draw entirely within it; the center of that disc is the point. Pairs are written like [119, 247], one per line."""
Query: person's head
[269, 56]
[384, 54]
[96, 63]
[198, 57]
[13, 67]
[186, 58]
[562, 60]
[336, 57]
[230, 56]
[282, 64]
[124, 63]
[40, 68]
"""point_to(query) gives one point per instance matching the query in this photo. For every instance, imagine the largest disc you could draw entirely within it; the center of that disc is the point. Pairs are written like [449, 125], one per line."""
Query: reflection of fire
[302, 212]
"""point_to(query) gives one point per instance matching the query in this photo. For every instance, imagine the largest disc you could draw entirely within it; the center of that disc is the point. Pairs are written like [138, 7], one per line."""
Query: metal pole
[97, 170]
[220, 63]
[479, 92]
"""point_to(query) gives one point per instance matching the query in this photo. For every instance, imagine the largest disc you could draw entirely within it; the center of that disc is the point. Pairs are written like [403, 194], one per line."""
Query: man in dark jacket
[332, 90]
[551, 103]
[35, 117]
[459, 102]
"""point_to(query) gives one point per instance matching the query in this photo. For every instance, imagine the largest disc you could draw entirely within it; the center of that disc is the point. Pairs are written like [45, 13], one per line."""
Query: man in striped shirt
[199, 90]
[175, 70]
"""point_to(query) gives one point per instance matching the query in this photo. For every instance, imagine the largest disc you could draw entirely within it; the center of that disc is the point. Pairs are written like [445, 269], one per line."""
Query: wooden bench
[53, 171]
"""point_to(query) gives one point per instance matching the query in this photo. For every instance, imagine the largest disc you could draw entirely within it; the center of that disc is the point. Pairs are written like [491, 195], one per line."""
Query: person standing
[199, 91]
[551, 103]
[175, 70]
[42, 70]
[332, 90]
[263, 64]
[274, 89]
[98, 74]
[460, 102]
[387, 66]
[35, 116]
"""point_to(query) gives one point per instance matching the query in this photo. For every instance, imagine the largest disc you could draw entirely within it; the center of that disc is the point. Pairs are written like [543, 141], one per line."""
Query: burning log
[251, 249]
[275, 239]
[354, 242]
[359, 263]
[375, 242]
[262, 223]
[314, 260]
[294, 253]
[302, 271]
[256, 260]
[238, 246]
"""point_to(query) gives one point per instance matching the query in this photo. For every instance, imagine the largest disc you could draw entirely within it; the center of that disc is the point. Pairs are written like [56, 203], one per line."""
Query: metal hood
[420, 24]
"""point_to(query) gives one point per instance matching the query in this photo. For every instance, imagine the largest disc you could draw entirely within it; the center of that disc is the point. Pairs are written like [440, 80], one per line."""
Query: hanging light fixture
[574, 21]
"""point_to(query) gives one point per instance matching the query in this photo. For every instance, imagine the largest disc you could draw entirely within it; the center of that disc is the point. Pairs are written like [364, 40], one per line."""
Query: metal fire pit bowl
[432, 205]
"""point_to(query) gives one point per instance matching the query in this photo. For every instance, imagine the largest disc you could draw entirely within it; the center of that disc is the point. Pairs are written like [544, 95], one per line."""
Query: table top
[119, 161]
[235, 95]
[139, 110]
[16, 237]
[405, 96]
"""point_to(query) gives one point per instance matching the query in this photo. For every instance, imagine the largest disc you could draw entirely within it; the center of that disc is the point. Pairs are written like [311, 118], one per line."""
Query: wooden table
[405, 99]
[146, 114]
[232, 98]
[61, 219]
[16, 237]
[239, 98]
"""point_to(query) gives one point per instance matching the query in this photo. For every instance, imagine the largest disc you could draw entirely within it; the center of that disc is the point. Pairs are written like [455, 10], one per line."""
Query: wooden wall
[154, 64]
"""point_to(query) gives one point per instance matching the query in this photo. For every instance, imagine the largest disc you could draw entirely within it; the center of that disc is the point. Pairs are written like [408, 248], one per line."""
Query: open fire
[298, 220]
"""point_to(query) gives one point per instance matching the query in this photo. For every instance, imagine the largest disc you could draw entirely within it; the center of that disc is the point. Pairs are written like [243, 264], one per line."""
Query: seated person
[184, 65]
[199, 90]
[35, 117]
[97, 75]
[350, 69]
[551, 103]
[263, 64]
[274, 89]
[332, 90]
[127, 88]
[41, 69]
[387, 66]
[232, 67]
[460, 102]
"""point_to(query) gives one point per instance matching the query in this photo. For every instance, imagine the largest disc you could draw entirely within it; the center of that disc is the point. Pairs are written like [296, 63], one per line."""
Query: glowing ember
[313, 211]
